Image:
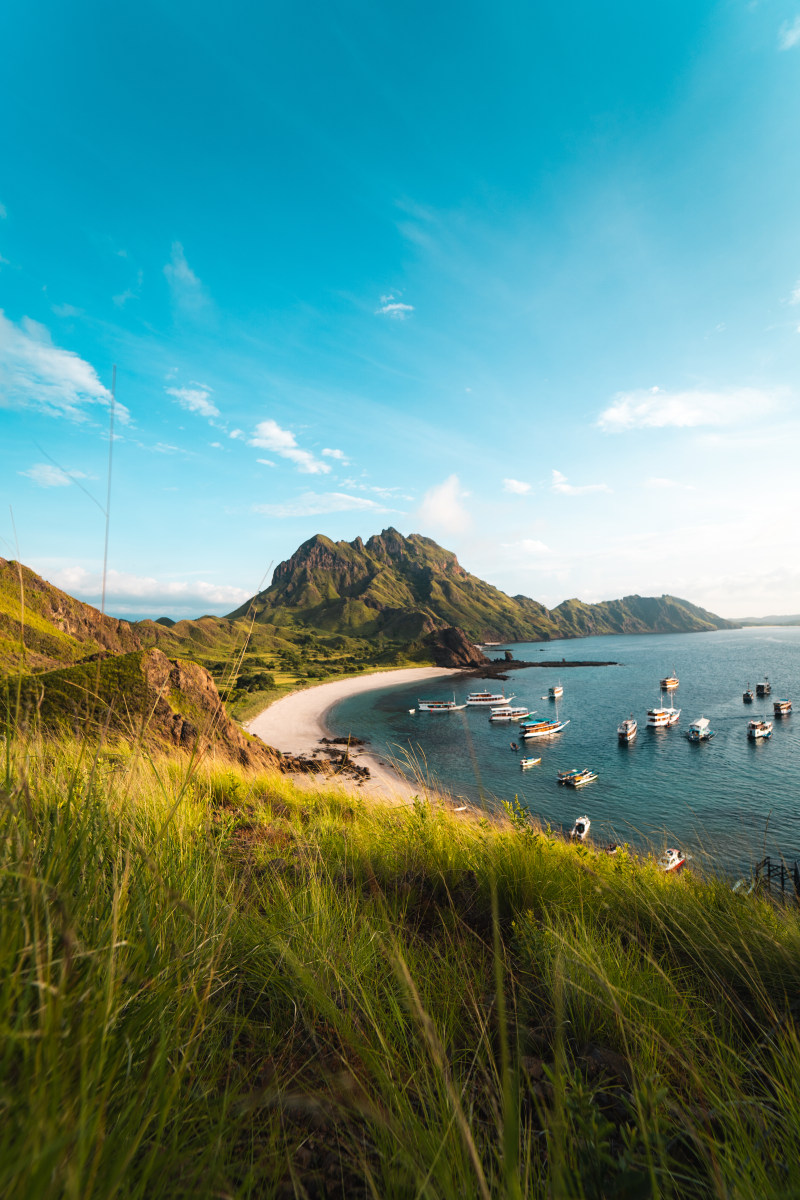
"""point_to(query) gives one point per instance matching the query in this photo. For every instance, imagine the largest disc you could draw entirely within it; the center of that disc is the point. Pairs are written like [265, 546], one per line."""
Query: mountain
[404, 588]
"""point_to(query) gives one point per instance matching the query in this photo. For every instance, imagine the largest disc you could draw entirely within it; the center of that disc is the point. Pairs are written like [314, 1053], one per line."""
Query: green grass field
[214, 984]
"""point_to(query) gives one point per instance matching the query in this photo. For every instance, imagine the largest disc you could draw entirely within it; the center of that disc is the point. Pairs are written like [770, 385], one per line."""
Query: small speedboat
[508, 713]
[529, 762]
[576, 778]
[672, 860]
[626, 732]
[759, 729]
[700, 730]
[782, 708]
[439, 706]
[580, 830]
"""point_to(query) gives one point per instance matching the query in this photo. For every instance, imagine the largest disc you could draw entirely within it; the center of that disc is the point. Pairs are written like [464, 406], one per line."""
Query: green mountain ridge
[403, 588]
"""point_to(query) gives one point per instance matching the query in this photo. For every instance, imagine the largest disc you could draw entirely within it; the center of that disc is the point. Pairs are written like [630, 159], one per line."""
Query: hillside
[405, 588]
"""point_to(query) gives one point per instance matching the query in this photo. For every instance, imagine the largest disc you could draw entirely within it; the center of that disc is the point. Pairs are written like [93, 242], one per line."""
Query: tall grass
[213, 984]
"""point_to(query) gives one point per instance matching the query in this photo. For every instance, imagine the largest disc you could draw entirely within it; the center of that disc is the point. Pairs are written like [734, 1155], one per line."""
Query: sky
[523, 278]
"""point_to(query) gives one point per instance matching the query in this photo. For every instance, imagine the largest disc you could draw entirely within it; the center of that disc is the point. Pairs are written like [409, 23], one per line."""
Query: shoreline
[296, 724]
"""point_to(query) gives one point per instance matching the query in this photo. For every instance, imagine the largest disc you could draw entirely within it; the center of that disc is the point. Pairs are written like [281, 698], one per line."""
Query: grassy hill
[403, 588]
[217, 985]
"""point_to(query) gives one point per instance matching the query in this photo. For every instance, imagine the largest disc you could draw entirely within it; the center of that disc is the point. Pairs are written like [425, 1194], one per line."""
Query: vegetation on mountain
[218, 985]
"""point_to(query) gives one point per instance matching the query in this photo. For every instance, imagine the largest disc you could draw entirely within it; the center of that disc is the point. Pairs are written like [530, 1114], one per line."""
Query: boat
[481, 699]
[580, 830]
[748, 695]
[670, 682]
[509, 713]
[672, 860]
[529, 762]
[626, 731]
[764, 689]
[662, 717]
[576, 778]
[537, 729]
[700, 730]
[782, 708]
[555, 691]
[439, 705]
[759, 729]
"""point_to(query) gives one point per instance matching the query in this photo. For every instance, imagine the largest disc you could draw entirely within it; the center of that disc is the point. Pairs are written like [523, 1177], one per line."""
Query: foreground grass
[215, 985]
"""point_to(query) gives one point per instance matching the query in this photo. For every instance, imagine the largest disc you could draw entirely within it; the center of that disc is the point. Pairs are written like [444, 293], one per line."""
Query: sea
[728, 802]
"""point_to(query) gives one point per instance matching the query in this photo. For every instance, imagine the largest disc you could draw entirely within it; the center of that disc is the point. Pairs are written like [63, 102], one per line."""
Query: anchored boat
[439, 705]
[700, 731]
[580, 830]
[670, 682]
[537, 729]
[529, 762]
[672, 860]
[507, 713]
[748, 695]
[626, 732]
[662, 717]
[555, 691]
[782, 708]
[576, 778]
[764, 689]
[481, 699]
[759, 729]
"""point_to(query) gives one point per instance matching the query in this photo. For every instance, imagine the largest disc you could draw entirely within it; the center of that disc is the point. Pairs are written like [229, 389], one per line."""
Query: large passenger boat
[482, 699]
[537, 729]
[759, 729]
[670, 682]
[439, 705]
[662, 717]
[764, 689]
[626, 731]
[782, 708]
[508, 713]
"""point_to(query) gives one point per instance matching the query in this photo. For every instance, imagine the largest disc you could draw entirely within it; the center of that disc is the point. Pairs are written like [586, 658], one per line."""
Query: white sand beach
[295, 724]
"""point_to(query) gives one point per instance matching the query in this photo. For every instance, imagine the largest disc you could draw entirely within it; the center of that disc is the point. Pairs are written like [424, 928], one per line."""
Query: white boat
[781, 708]
[626, 731]
[537, 729]
[529, 762]
[576, 778]
[700, 730]
[509, 713]
[662, 716]
[555, 691]
[481, 699]
[759, 729]
[580, 830]
[670, 682]
[439, 706]
[672, 860]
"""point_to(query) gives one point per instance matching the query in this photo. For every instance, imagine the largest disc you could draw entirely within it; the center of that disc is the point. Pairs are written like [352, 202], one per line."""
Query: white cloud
[789, 35]
[339, 455]
[195, 400]
[390, 306]
[187, 290]
[47, 476]
[237, 433]
[146, 593]
[561, 485]
[441, 507]
[266, 462]
[655, 409]
[268, 435]
[527, 546]
[312, 504]
[516, 487]
[35, 373]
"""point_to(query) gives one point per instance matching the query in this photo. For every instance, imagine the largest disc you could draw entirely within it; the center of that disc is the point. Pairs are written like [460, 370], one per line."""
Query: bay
[728, 801]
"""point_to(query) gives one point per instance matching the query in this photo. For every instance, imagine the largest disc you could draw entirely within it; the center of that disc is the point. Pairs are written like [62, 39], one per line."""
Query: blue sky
[524, 278]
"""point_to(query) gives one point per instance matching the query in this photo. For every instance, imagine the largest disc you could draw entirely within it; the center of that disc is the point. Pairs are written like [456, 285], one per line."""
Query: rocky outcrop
[452, 648]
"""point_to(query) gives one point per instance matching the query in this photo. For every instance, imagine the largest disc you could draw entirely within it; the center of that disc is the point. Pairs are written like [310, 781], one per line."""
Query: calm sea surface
[727, 801]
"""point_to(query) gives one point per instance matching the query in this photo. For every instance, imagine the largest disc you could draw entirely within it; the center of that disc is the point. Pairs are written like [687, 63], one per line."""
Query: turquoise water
[728, 801]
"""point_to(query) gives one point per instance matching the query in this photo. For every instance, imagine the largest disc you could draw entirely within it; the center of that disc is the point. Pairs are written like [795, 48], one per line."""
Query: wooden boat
[576, 778]
[580, 830]
[662, 718]
[782, 708]
[748, 695]
[626, 732]
[759, 729]
[764, 689]
[700, 730]
[537, 729]
[529, 762]
[670, 682]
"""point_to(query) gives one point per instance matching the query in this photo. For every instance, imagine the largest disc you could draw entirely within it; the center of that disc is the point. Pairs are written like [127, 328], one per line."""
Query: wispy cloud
[561, 485]
[195, 399]
[35, 373]
[527, 546]
[789, 34]
[441, 507]
[146, 593]
[339, 455]
[187, 290]
[656, 409]
[313, 504]
[130, 293]
[390, 306]
[516, 487]
[268, 435]
[48, 476]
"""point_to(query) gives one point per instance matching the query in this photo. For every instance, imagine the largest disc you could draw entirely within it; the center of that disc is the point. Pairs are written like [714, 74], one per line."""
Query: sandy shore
[295, 723]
